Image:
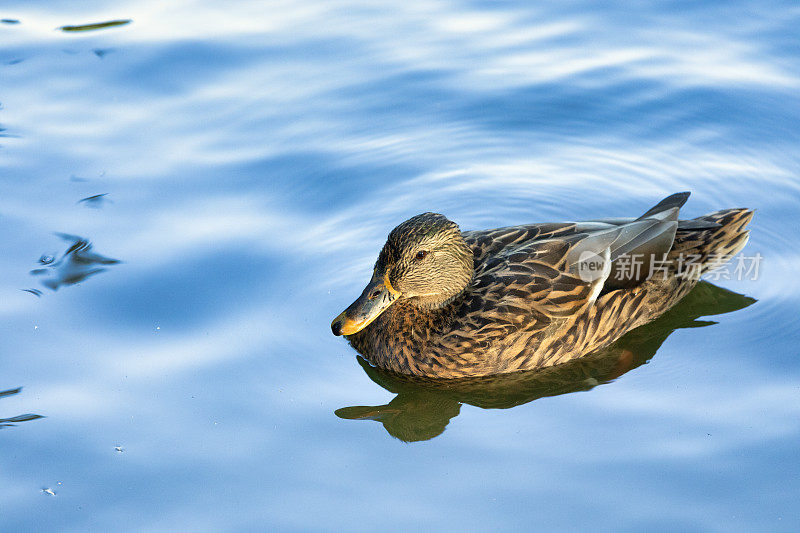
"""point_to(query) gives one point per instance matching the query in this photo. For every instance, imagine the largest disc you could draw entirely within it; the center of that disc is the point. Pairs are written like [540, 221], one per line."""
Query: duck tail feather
[717, 237]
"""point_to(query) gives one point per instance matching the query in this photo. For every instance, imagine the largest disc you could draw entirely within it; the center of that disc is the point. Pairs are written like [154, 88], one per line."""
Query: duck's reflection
[78, 263]
[423, 407]
[14, 420]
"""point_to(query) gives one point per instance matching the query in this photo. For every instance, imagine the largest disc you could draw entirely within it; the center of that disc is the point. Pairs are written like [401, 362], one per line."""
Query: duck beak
[377, 296]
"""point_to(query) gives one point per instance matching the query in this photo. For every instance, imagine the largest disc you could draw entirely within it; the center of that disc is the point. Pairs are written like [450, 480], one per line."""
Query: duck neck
[457, 283]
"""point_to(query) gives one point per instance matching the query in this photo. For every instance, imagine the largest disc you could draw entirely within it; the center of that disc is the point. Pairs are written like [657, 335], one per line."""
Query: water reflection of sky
[257, 154]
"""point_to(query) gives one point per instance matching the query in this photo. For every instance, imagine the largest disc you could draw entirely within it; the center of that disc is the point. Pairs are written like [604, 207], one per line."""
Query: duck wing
[548, 278]
[527, 277]
[638, 244]
[634, 244]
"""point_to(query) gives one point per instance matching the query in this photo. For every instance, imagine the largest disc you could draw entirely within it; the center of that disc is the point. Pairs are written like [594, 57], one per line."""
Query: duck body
[449, 304]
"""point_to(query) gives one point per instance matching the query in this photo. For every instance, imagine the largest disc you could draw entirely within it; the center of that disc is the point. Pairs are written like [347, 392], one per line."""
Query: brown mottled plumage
[449, 304]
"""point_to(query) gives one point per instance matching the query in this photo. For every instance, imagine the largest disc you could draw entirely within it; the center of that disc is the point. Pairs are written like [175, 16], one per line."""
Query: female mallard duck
[447, 304]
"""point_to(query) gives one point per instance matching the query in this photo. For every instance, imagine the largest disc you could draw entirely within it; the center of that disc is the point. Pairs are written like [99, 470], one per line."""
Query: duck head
[425, 261]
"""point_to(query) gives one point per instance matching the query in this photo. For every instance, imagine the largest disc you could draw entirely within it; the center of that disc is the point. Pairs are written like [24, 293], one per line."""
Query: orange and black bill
[377, 296]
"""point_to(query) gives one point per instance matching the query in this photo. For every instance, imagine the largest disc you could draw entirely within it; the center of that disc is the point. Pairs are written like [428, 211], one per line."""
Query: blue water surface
[252, 157]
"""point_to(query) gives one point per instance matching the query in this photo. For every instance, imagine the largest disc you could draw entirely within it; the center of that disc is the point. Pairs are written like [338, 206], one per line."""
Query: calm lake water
[187, 200]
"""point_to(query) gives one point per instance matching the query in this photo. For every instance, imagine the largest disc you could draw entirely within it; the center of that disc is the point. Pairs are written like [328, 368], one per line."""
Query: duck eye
[421, 255]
